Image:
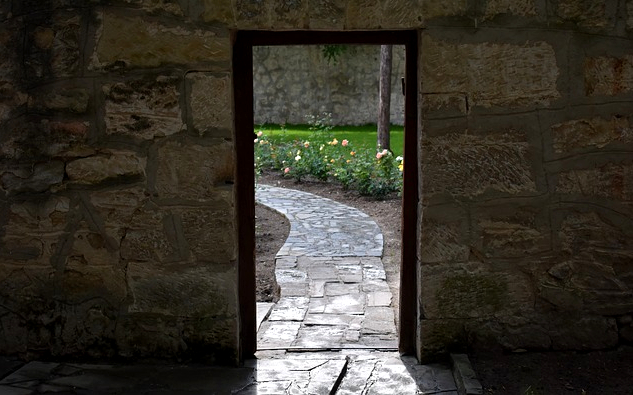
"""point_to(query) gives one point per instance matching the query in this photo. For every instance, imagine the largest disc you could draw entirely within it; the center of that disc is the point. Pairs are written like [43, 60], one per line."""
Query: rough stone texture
[399, 13]
[444, 239]
[590, 133]
[326, 14]
[522, 8]
[610, 181]
[53, 47]
[608, 75]
[157, 6]
[211, 104]
[468, 165]
[289, 13]
[195, 172]
[461, 292]
[26, 140]
[586, 13]
[143, 108]
[106, 166]
[293, 82]
[69, 100]
[629, 11]
[433, 9]
[134, 42]
[491, 74]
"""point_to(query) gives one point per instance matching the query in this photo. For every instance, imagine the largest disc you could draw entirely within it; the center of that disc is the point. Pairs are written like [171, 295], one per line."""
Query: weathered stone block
[583, 285]
[69, 100]
[595, 132]
[210, 233]
[289, 13]
[446, 104]
[150, 236]
[211, 104]
[218, 11]
[590, 233]
[583, 333]
[181, 291]
[364, 14]
[30, 141]
[608, 75]
[629, 12]
[38, 217]
[611, 181]
[117, 208]
[172, 7]
[586, 13]
[136, 42]
[461, 293]
[194, 172]
[510, 232]
[53, 47]
[443, 238]
[143, 108]
[511, 333]
[514, 7]
[36, 178]
[404, 13]
[433, 9]
[491, 74]
[93, 249]
[106, 166]
[326, 14]
[82, 281]
[468, 165]
[252, 13]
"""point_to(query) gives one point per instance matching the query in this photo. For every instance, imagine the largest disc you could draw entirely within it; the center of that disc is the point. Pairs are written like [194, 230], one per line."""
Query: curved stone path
[320, 226]
[334, 293]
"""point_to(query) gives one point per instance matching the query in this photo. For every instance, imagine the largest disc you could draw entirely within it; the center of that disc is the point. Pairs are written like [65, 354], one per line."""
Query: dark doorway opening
[243, 44]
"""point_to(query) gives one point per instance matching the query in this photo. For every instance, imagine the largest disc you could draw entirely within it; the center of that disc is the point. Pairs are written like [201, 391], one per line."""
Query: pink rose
[344, 143]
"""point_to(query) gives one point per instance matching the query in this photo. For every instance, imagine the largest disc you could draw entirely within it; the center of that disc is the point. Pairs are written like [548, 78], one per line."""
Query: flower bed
[372, 172]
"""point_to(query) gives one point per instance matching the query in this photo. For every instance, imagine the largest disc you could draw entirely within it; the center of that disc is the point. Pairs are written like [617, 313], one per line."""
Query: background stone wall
[117, 204]
[292, 82]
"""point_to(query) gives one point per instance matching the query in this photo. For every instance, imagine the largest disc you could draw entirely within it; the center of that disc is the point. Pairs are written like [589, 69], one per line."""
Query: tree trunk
[384, 104]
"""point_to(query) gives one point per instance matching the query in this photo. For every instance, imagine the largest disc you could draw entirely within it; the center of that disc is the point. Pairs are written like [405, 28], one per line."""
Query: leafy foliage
[374, 173]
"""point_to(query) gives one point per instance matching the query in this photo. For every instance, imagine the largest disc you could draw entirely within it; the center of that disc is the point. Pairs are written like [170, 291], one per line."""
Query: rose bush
[374, 173]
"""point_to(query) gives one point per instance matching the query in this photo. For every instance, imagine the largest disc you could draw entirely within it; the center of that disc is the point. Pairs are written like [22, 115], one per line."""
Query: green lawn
[358, 136]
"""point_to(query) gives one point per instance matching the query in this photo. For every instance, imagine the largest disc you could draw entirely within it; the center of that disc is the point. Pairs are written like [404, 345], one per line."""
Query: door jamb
[243, 42]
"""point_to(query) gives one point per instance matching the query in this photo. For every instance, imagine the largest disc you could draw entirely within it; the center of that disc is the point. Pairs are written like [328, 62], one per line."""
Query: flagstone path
[334, 291]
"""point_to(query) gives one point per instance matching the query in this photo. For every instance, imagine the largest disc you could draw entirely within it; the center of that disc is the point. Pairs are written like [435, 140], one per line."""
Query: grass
[358, 136]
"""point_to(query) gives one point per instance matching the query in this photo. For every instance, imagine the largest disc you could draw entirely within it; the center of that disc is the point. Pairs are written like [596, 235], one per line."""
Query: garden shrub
[374, 173]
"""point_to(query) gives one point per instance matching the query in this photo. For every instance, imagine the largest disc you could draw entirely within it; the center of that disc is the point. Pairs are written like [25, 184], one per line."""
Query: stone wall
[117, 204]
[527, 170]
[293, 82]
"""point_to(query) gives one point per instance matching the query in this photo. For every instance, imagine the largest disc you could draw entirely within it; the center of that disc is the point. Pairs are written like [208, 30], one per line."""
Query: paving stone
[290, 309]
[335, 289]
[319, 337]
[345, 304]
[330, 319]
[278, 334]
[377, 299]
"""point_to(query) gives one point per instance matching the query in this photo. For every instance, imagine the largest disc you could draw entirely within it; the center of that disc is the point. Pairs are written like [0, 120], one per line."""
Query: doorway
[244, 41]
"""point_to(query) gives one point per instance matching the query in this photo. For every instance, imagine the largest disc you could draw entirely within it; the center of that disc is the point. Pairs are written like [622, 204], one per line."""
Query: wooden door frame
[243, 43]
